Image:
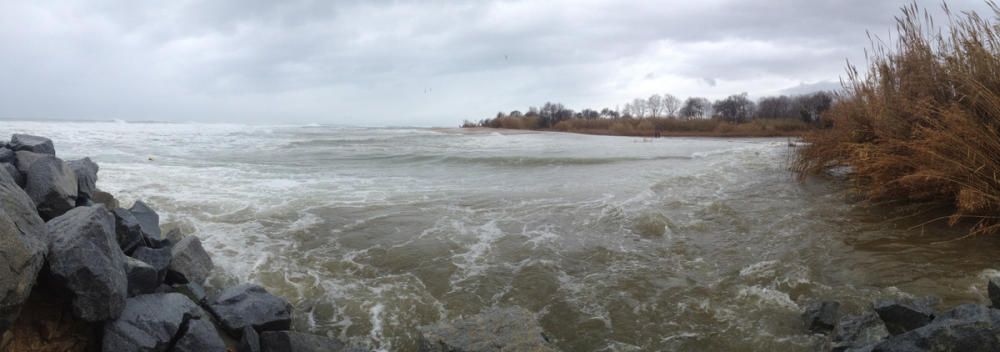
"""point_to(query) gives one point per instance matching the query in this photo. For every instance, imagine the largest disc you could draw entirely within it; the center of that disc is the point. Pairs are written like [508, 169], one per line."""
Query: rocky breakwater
[910, 325]
[80, 273]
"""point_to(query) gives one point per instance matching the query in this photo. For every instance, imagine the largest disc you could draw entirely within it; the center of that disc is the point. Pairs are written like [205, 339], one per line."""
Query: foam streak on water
[616, 244]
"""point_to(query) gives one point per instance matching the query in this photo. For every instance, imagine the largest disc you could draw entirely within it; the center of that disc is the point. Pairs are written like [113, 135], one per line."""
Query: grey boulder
[249, 342]
[246, 305]
[190, 262]
[102, 197]
[901, 316]
[158, 258]
[821, 317]
[497, 329]
[86, 176]
[6, 155]
[51, 184]
[15, 175]
[161, 322]
[31, 143]
[24, 159]
[22, 249]
[193, 291]
[127, 230]
[149, 221]
[855, 332]
[290, 341]
[84, 257]
[142, 278]
[967, 328]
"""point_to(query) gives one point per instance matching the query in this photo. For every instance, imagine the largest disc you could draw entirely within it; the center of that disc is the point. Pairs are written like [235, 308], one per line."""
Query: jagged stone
[15, 175]
[821, 317]
[22, 249]
[250, 305]
[967, 328]
[85, 258]
[85, 171]
[193, 291]
[190, 261]
[142, 278]
[127, 231]
[855, 332]
[51, 184]
[249, 342]
[30, 143]
[149, 221]
[162, 322]
[7, 155]
[497, 329]
[900, 316]
[158, 258]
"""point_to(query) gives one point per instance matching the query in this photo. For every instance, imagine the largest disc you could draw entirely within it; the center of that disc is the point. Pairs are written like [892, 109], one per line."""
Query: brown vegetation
[922, 124]
[650, 127]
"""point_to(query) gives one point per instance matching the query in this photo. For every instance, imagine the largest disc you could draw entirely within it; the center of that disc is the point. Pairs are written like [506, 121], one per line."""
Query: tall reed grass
[922, 123]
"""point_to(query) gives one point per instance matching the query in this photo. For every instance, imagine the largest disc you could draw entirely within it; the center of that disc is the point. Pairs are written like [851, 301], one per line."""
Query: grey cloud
[409, 62]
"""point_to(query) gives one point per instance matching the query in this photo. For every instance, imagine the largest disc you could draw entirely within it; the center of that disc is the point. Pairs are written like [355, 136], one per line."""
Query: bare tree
[655, 103]
[695, 107]
[734, 108]
[639, 107]
[670, 105]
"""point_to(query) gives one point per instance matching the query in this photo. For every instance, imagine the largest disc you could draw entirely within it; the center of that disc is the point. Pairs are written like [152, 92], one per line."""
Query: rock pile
[910, 325]
[131, 287]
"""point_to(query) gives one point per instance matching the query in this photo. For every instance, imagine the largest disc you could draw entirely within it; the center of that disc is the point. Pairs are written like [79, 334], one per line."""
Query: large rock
[290, 341]
[967, 328]
[900, 316]
[497, 329]
[158, 258]
[142, 278]
[51, 184]
[127, 230]
[249, 342]
[85, 258]
[15, 175]
[250, 305]
[855, 332]
[7, 155]
[149, 221]
[86, 176]
[821, 317]
[24, 159]
[22, 249]
[162, 322]
[193, 291]
[190, 262]
[31, 143]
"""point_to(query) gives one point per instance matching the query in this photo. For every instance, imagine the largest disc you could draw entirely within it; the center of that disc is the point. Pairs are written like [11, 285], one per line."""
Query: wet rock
[52, 186]
[968, 327]
[22, 249]
[161, 322]
[158, 258]
[24, 159]
[854, 332]
[993, 290]
[249, 342]
[821, 317]
[31, 143]
[250, 305]
[84, 257]
[497, 329]
[149, 221]
[6, 155]
[142, 278]
[193, 291]
[86, 177]
[127, 231]
[900, 316]
[15, 175]
[102, 197]
[290, 341]
[190, 262]
[651, 225]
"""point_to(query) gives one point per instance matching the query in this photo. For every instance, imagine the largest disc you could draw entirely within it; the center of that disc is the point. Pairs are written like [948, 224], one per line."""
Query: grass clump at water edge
[921, 124]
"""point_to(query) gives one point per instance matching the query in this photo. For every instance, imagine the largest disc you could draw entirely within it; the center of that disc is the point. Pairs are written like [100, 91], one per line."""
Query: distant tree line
[737, 108]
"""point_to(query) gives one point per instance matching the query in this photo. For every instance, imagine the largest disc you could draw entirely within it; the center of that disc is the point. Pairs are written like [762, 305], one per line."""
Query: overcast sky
[417, 63]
